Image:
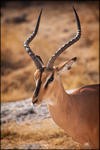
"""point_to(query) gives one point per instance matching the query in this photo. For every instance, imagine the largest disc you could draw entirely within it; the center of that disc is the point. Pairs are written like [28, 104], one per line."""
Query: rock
[23, 111]
[30, 146]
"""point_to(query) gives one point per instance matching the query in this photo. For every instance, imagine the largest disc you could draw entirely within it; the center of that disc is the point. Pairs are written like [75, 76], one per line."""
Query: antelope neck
[58, 96]
[62, 112]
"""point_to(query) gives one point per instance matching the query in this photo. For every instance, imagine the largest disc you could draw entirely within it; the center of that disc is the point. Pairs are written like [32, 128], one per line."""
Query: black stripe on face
[49, 80]
[38, 84]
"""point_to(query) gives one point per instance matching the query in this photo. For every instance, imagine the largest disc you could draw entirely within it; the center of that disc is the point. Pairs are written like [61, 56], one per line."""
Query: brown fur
[77, 113]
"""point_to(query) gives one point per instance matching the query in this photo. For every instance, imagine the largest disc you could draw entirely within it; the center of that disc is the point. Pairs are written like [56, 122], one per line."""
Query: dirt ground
[58, 25]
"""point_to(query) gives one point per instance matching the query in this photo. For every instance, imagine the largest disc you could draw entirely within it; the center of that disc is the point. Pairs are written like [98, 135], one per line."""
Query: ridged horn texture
[68, 44]
[36, 60]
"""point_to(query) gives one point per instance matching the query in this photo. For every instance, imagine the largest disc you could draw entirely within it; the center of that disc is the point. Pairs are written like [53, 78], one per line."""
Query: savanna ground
[57, 26]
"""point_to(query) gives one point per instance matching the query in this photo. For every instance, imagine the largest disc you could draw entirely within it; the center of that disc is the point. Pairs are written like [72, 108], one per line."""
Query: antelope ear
[66, 65]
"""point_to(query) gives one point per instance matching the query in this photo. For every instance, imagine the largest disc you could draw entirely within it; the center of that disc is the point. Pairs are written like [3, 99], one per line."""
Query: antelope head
[47, 77]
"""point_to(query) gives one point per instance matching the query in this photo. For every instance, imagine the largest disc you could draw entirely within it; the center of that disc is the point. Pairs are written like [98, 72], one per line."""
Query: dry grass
[18, 69]
[57, 26]
[44, 132]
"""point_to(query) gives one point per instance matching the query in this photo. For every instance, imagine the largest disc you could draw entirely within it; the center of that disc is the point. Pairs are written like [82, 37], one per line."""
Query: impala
[76, 112]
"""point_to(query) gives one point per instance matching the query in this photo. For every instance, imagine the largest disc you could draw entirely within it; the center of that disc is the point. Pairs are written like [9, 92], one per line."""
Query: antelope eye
[51, 78]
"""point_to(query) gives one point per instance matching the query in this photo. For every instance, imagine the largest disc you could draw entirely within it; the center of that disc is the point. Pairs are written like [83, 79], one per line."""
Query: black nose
[35, 101]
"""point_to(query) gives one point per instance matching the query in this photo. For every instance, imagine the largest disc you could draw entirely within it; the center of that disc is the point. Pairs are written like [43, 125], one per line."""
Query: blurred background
[57, 26]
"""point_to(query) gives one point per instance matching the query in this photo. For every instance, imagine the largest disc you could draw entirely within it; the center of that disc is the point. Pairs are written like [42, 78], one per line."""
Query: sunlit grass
[18, 69]
[34, 132]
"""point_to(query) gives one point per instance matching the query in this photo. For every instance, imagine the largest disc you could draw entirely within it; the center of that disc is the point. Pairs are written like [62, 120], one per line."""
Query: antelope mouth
[35, 101]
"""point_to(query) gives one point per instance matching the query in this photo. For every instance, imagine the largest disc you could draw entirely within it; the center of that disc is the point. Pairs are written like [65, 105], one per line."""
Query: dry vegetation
[42, 132]
[57, 26]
